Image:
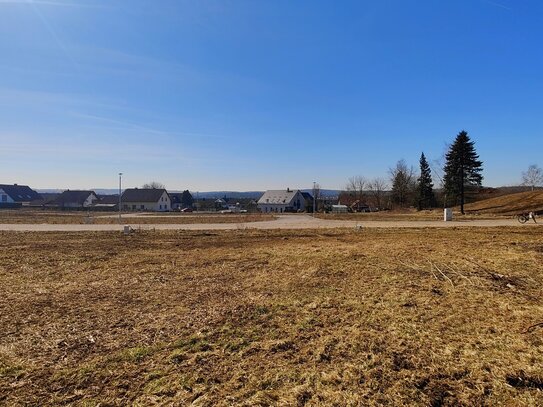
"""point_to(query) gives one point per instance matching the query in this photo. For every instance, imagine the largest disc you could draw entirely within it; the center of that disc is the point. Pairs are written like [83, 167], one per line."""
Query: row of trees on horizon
[461, 178]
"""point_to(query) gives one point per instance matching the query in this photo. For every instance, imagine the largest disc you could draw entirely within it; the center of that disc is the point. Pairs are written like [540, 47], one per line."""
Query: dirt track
[282, 222]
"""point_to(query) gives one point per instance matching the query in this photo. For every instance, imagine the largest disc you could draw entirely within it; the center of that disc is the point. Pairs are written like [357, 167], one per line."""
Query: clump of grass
[134, 355]
[11, 371]
[193, 344]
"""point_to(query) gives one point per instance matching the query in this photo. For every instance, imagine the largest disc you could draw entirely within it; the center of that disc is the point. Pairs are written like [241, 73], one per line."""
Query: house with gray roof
[146, 199]
[76, 199]
[283, 200]
[14, 195]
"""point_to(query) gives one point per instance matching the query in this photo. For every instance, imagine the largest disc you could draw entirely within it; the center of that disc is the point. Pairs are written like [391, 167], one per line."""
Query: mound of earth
[509, 204]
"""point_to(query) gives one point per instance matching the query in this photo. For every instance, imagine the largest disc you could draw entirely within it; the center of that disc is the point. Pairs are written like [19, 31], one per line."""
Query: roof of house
[278, 196]
[74, 197]
[20, 193]
[109, 199]
[307, 196]
[143, 194]
[176, 197]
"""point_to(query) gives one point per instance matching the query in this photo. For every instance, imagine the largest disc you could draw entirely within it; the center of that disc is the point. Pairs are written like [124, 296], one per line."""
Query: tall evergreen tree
[462, 169]
[425, 186]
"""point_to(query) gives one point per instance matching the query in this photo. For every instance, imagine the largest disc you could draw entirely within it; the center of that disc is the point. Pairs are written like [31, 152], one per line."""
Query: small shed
[340, 209]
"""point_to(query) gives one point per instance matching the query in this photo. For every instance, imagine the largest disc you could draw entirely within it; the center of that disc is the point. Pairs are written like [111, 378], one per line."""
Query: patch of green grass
[158, 386]
[193, 344]
[135, 354]
[11, 371]
[236, 345]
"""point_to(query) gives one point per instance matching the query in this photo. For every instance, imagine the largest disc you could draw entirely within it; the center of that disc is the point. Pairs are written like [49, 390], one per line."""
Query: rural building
[107, 203]
[46, 200]
[146, 199]
[13, 196]
[354, 202]
[308, 201]
[340, 209]
[76, 199]
[279, 201]
[181, 200]
[176, 200]
[220, 204]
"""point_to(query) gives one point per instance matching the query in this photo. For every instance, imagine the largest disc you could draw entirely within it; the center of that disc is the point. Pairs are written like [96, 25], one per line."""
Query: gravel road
[282, 222]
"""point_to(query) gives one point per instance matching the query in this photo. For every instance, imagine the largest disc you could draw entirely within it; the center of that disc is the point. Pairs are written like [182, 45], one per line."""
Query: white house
[279, 201]
[76, 199]
[146, 199]
[17, 195]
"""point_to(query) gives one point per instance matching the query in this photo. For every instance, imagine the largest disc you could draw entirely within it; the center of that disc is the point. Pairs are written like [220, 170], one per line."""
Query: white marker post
[447, 214]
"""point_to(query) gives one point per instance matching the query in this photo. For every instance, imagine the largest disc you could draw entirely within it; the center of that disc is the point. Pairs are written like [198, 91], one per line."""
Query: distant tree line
[462, 175]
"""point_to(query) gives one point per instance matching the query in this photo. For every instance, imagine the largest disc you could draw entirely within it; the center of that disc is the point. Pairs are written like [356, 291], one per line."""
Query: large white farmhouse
[146, 199]
[279, 201]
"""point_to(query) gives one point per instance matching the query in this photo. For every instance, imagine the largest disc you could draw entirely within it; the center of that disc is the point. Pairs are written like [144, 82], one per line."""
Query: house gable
[281, 200]
[19, 193]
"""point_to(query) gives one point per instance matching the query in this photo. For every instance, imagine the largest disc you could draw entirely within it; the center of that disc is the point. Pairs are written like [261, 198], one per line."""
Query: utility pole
[314, 197]
[120, 196]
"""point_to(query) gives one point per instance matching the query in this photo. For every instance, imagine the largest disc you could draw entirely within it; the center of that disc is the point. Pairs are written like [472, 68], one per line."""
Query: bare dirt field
[291, 221]
[408, 215]
[272, 317]
[109, 218]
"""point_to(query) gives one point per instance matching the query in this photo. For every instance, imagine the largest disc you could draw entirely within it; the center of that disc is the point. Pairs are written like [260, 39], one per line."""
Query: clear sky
[252, 95]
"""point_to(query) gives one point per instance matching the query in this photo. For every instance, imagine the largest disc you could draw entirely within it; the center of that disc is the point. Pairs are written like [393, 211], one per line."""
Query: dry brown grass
[80, 217]
[347, 318]
[509, 204]
[403, 215]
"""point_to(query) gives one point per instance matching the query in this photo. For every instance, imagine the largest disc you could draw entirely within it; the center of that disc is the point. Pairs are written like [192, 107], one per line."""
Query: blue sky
[251, 95]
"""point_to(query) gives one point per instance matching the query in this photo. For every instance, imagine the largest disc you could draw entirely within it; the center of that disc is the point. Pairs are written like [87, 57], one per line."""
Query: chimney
[288, 189]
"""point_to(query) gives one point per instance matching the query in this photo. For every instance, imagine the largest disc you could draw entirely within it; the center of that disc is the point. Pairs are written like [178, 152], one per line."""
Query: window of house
[133, 206]
[142, 207]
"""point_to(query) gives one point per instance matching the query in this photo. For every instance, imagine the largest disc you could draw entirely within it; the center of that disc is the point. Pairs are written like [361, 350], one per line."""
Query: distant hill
[509, 204]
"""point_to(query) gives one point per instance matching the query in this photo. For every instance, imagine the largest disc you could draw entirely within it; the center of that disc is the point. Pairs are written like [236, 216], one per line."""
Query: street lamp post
[120, 196]
[314, 197]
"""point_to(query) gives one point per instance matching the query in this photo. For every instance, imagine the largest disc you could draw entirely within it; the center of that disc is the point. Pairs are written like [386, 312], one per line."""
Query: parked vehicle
[525, 217]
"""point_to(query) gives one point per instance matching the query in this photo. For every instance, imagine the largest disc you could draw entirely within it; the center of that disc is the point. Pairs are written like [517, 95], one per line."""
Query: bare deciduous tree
[355, 186]
[532, 177]
[154, 185]
[377, 188]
